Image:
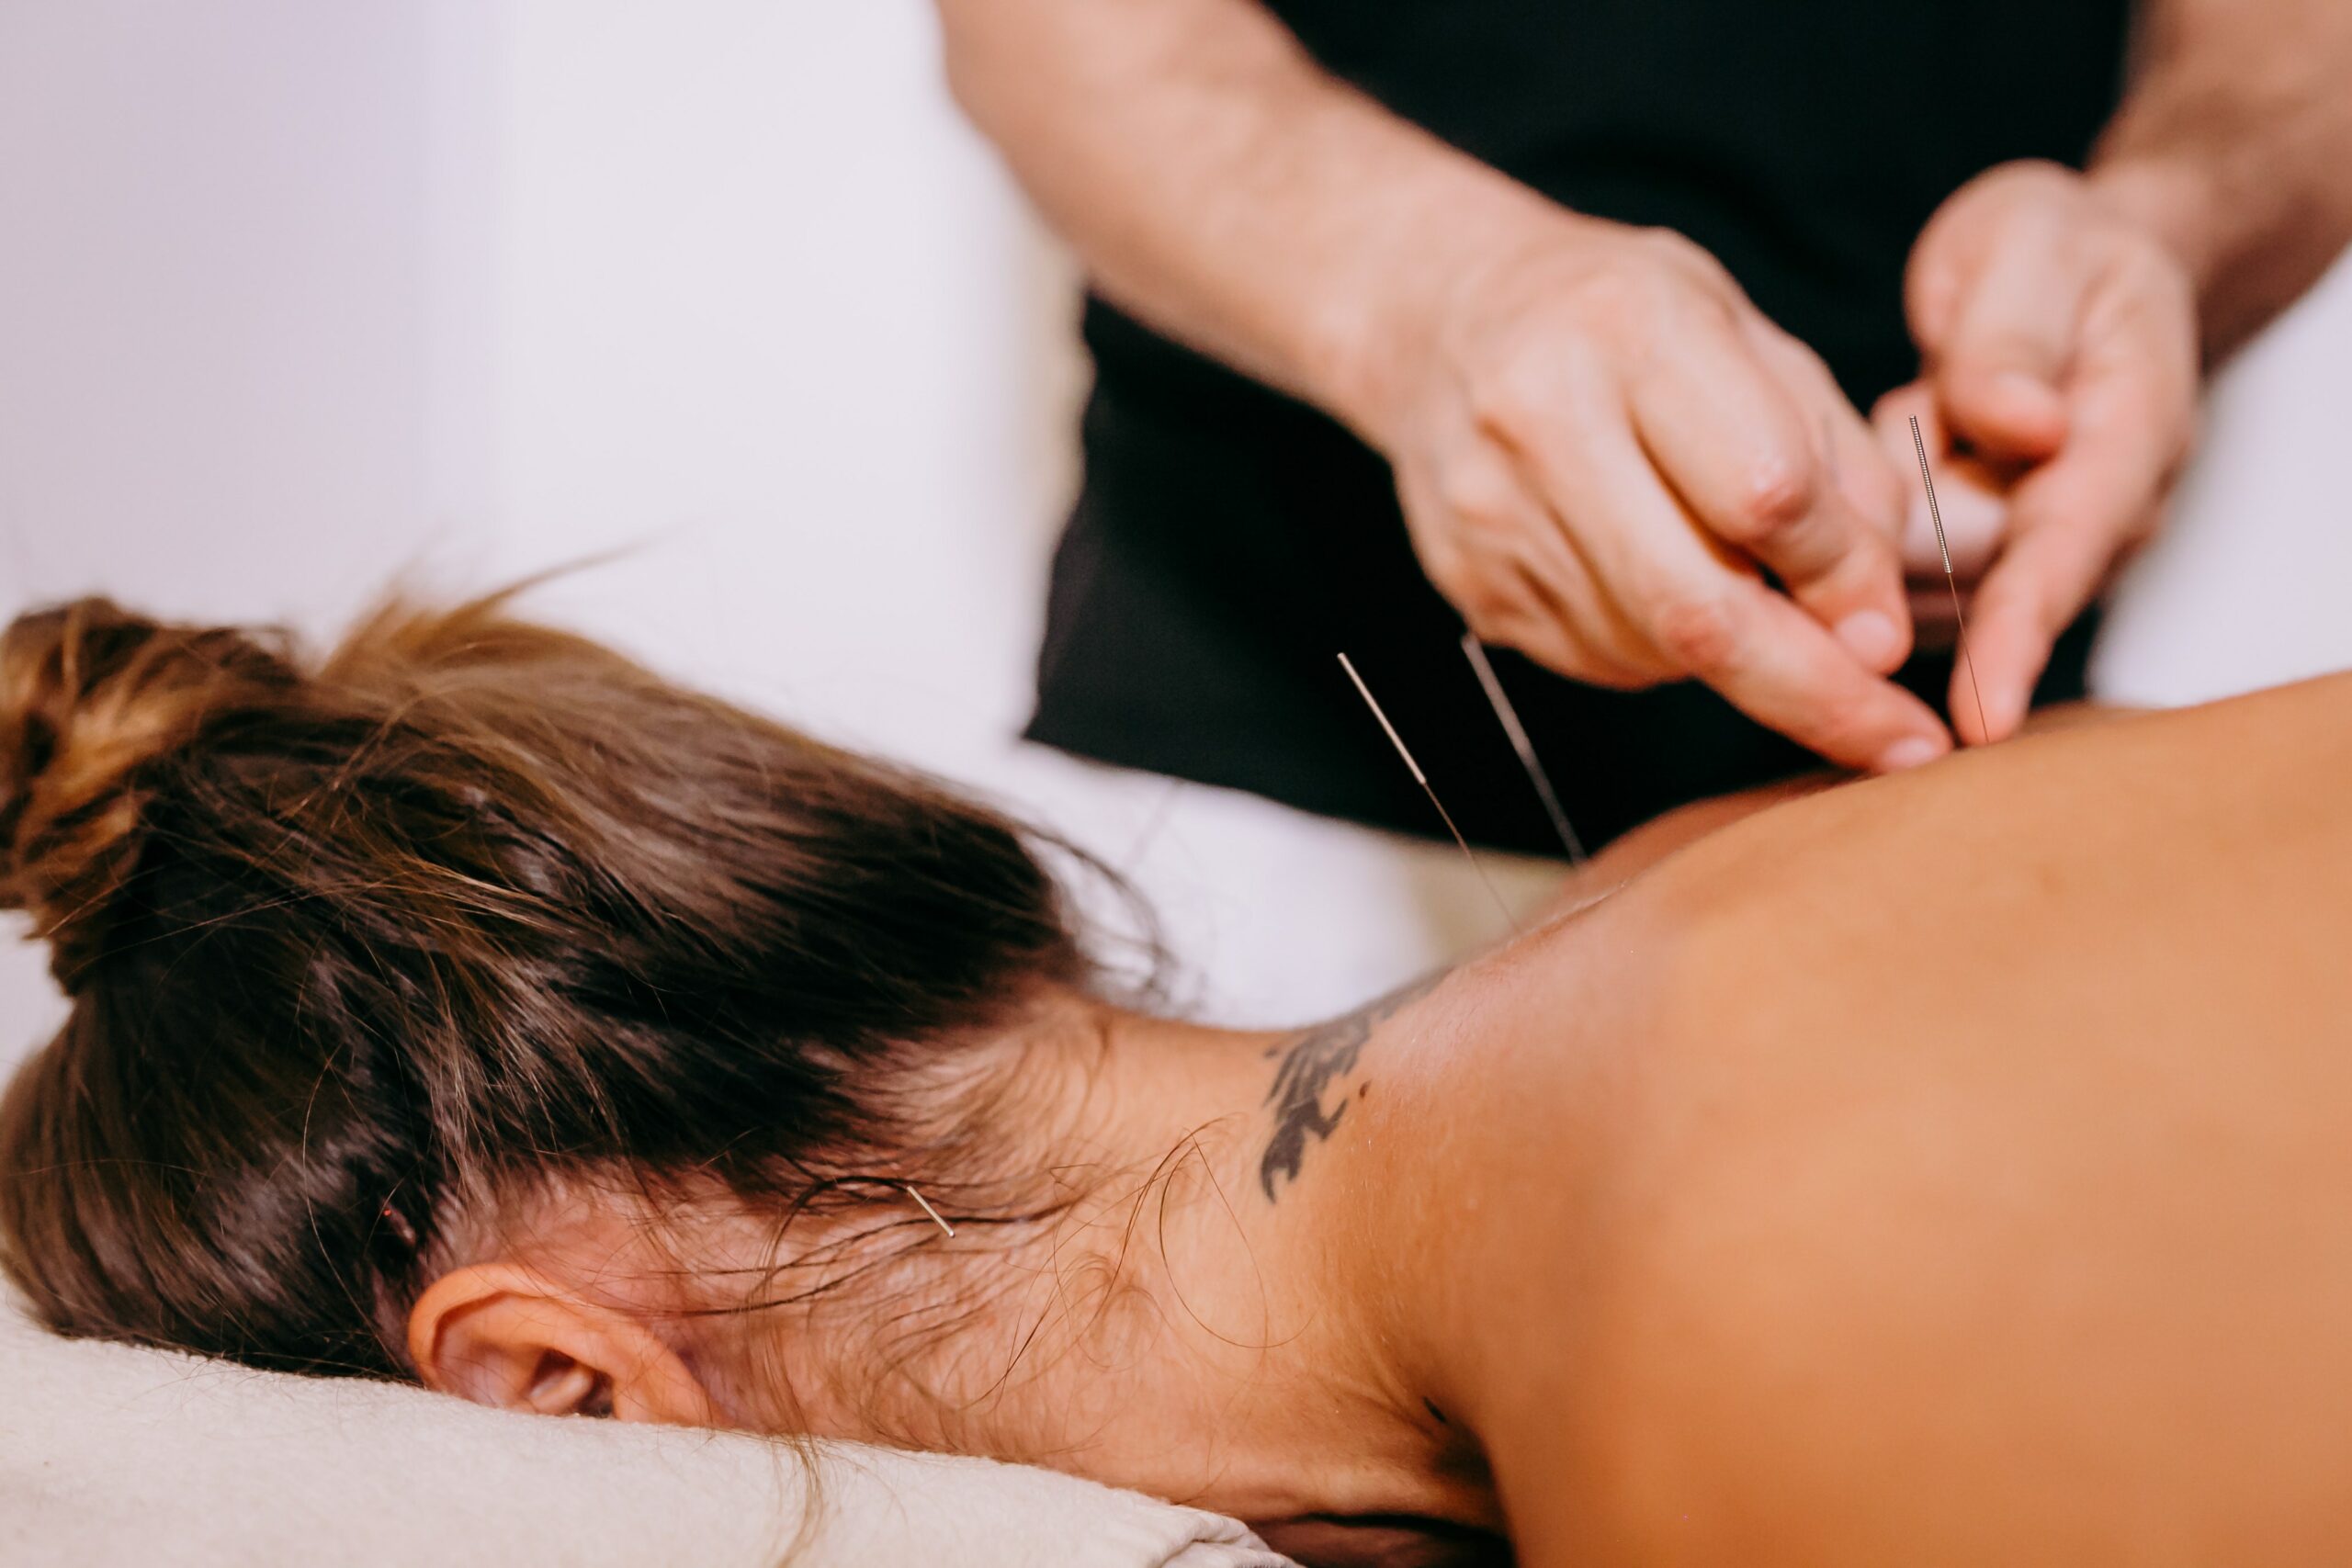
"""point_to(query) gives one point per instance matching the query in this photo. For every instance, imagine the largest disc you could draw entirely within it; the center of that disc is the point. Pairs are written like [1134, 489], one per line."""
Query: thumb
[2000, 372]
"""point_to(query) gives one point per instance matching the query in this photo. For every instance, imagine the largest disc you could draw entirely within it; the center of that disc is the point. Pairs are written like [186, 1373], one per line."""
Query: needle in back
[1422, 779]
[1497, 699]
[1951, 579]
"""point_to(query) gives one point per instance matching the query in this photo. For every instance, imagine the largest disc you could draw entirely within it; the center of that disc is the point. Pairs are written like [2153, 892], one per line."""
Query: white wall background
[294, 296]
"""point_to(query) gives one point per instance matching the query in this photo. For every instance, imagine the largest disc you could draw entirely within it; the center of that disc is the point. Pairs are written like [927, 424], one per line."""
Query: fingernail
[1996, 711]
[1871, 637]
[1909, 752]
[2002, 717]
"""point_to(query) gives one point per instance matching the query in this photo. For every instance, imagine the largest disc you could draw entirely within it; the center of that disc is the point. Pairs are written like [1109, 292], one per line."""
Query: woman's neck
[1185, 1322]
[1213, 1351]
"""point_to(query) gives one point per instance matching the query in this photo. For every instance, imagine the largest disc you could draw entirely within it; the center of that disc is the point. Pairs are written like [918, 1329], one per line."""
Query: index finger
[1738, 446]
[1725, 627]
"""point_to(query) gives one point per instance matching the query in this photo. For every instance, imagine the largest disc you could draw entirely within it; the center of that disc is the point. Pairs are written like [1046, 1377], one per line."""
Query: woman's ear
[498, 1334]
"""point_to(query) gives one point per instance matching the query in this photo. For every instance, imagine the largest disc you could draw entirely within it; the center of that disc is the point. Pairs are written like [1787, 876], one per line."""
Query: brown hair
[469, 904]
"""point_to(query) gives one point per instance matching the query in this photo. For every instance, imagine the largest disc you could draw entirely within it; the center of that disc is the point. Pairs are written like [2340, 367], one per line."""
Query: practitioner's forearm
[1221, 186]
[2235, 144]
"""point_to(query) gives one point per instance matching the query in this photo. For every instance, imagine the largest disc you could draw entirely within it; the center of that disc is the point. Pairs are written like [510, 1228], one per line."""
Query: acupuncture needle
[1951, 579]
[924, 1204]
[1422, 779]
[1500, 702]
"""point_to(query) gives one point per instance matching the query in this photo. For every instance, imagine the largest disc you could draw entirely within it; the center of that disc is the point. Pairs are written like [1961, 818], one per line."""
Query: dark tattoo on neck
[1309, 1064]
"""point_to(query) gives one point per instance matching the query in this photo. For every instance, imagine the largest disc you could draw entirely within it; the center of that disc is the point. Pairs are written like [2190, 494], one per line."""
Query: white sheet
[110, 1455]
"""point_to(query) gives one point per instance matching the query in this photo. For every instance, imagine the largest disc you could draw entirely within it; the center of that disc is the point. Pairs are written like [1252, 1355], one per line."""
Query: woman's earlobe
[501, 1335]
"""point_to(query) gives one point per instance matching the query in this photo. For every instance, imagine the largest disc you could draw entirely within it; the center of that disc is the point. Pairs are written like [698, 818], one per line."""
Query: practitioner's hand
[1601, 445]
[2061, 345]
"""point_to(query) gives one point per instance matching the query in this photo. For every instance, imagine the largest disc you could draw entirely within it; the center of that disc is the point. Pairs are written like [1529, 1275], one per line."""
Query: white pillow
[115, 1455]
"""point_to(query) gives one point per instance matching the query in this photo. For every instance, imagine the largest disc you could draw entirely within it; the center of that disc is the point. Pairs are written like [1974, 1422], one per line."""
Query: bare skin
[1949, 1167]
[1974, 1191]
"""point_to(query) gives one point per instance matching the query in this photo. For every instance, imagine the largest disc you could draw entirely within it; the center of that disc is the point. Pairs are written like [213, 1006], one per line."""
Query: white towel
[113, 1455]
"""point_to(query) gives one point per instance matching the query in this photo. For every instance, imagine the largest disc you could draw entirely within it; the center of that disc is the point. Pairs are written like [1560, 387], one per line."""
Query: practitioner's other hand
[2060, 341]
[1601, 446]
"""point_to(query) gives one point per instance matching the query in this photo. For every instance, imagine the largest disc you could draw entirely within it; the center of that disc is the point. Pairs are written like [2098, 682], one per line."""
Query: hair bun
[91, 697]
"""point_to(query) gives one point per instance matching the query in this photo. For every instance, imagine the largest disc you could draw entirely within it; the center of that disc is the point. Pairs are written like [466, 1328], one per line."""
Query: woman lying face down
[1949, 1167]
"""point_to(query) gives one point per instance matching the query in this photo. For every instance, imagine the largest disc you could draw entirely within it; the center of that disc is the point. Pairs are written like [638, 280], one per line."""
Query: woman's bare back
[1949, 1167]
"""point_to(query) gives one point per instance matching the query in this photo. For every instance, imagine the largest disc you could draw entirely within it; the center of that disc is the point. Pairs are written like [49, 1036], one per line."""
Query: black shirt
[1228, 541]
